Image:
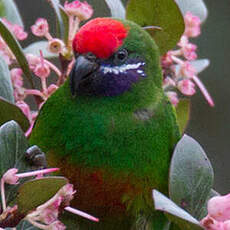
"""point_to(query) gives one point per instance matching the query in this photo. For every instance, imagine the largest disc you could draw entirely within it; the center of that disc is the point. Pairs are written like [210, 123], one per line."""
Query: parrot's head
[113, 56]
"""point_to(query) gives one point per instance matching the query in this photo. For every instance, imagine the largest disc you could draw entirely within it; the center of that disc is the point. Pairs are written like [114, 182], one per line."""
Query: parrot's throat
[113, 80]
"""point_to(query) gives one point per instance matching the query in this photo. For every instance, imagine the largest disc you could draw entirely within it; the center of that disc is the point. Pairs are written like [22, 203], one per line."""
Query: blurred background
[209, 126]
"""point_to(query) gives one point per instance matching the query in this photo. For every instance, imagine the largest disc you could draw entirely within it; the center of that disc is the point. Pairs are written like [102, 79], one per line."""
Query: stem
[44, 86]
[177, 60]
[53, 67]
[48, 36]
[71, 21]
[3, 195]
[74, 26]
[80, 213]
[34, 173]
[203, 90]
[33, 92]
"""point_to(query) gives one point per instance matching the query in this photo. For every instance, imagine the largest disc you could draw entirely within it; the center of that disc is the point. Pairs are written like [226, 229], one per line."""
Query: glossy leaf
[13, 145]
[183, 114]
[9, 10]
[116, 8]
[16, 50]
[176, 214]
[60, 29]
[6, 89]
[36, 192]
[164, 14]
[196, 7]
[35, 48]
[10, 111]
[190, 177]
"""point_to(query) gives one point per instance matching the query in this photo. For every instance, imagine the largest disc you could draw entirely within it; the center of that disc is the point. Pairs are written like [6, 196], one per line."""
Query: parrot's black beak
[82, 69]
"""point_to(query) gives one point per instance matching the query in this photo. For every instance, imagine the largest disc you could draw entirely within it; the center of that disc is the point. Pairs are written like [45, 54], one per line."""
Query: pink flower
[57, 225]
[16, 77]
[52, 88]
[218, 217]
[56, 45]
[82, 10]
[17, 30]
[168, 81]
[187, 87]
[25, 109]
[167, 60]
[219, 208]
[172, 97]
[32, 60]
[48, 216]
[17, 82]
[186, 70]
[192, 25]
[40, 28]
[10, 177]
[42, 70]
[187, 49]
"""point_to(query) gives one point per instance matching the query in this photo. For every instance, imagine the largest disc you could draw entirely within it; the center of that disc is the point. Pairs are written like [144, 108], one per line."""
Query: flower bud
[56, 45]
[172, 97]
[192, 25]
[10, 176]
[187, 87]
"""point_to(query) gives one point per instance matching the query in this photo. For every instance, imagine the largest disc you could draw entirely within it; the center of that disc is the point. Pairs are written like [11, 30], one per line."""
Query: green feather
[114, 149]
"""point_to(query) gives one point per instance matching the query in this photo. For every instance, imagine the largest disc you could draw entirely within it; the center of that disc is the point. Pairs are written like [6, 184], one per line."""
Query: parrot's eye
[121, 55]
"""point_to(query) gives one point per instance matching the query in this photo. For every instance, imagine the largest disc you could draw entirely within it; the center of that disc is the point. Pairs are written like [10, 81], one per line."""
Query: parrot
[110, 128]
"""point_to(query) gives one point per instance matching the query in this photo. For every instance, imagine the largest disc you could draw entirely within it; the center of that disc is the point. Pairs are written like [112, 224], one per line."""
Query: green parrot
[110, 128]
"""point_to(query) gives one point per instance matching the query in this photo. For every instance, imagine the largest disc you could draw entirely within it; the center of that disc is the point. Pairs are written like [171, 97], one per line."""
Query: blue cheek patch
[115, 80]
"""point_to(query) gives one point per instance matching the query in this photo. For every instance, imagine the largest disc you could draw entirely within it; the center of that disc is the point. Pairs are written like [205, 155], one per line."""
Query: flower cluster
[46, 215]
[19, 34]
[218, 217]
[180, 76]
[40, 66]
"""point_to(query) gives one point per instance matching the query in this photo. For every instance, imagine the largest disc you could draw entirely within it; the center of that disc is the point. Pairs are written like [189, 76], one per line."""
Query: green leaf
[6, 89]
[200, 64]
[176, 214]
[35, 48]
[36, 192]
[10, 111]
[196, 7]
[9, 10]
[25, 225]
[55, 4]
[183, 114]
[65, 19]
[16, 50]
[164, 14]
[116, 8]
[190, 176]
[13, 145]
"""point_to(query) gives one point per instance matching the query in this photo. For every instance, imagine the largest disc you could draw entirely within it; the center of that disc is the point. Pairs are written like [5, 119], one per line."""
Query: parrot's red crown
[100, 36]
